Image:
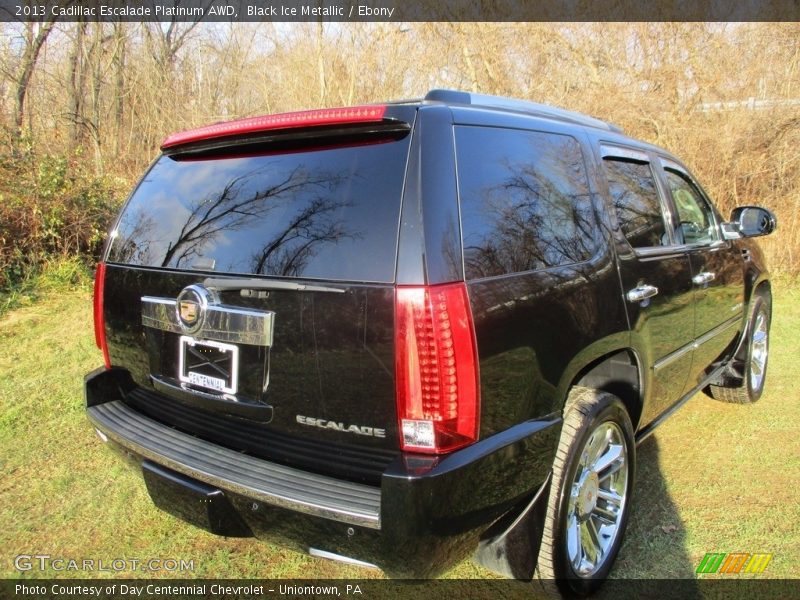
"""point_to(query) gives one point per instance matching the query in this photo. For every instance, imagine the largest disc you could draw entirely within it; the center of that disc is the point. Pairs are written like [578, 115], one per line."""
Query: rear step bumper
[427, 514]
[227, 469]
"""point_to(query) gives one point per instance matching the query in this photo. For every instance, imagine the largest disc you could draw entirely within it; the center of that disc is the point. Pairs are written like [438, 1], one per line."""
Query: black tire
[588, 412]
[750, 386]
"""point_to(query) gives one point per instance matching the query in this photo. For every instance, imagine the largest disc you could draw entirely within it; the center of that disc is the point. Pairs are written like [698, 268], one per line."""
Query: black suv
[399, 334]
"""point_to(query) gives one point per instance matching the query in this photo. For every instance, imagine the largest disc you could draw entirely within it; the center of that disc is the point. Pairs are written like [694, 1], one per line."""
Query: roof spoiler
[308, 118]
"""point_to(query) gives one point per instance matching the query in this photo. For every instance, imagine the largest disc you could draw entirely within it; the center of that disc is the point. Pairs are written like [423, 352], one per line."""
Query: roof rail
[404, 101]
[521, 106]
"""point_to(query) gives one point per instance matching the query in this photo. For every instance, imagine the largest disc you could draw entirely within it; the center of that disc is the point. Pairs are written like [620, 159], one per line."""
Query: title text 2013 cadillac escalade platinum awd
[399, 334]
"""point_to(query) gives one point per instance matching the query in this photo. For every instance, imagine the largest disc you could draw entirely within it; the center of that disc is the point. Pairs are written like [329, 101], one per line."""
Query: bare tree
[34, 37]
[76, 87]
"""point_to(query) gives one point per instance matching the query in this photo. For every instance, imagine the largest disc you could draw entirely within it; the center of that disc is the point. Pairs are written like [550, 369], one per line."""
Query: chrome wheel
[590, 495]
[759, 347]
[597, 499]
[748, 374]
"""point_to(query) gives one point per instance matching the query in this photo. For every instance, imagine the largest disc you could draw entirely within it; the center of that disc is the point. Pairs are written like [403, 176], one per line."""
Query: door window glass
[695, 218]
[635, 196]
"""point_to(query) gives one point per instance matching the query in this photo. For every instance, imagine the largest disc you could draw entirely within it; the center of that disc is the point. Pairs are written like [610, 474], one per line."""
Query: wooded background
[84, 106]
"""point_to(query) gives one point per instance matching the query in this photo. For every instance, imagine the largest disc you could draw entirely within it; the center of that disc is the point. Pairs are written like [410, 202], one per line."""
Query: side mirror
[749, 221]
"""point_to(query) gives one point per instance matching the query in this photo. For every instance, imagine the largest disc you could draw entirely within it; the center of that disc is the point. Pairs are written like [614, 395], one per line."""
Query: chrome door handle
[704, 277]
[642, 292]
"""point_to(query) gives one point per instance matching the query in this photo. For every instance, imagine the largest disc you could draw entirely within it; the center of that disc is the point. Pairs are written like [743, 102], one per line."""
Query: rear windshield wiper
[246, 283]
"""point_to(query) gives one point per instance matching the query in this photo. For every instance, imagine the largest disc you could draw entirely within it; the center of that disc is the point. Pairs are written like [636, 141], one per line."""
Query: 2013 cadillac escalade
[400, 334]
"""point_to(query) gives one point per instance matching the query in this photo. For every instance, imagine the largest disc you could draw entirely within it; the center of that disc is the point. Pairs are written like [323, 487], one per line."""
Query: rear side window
[525, 201]
[328, 213]
[635, 196]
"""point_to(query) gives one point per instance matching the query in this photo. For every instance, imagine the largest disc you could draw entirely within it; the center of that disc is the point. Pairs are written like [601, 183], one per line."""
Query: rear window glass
[525, 201]
[323, 213]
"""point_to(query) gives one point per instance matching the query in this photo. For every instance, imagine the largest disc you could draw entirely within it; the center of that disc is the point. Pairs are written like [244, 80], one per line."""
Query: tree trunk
[77, 80]
[35, 38]
[119, 85]
[97, 78]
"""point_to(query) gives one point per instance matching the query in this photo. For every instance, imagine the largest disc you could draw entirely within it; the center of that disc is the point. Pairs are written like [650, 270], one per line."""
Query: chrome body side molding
[718, 330]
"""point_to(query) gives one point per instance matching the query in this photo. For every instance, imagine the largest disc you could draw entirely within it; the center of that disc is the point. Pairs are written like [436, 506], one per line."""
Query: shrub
[55, 275]
[51, 209]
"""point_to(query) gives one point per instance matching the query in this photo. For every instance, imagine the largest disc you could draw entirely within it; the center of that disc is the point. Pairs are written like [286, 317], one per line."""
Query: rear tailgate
[299, 234]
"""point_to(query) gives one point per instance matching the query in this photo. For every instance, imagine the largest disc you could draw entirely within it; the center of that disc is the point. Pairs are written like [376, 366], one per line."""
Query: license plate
[208, 364]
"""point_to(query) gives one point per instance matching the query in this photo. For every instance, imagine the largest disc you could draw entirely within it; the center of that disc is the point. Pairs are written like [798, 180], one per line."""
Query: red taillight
[436, 368]
[99, 318]
[306, 118]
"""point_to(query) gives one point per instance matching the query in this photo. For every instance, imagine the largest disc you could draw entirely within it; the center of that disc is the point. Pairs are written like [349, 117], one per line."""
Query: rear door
[656, 275]
[291, 244]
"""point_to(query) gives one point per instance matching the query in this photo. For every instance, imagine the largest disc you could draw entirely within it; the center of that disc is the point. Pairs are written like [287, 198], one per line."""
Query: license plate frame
[205, 381]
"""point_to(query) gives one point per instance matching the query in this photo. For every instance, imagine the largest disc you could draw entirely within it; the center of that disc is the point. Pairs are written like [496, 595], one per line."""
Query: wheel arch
[756, 273]
[761, 286]
[616, 368]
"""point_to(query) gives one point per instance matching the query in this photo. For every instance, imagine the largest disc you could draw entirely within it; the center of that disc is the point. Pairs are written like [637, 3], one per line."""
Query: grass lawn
[714, 478]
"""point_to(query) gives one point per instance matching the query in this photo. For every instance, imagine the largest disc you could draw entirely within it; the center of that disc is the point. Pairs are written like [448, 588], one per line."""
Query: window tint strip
[619, 152]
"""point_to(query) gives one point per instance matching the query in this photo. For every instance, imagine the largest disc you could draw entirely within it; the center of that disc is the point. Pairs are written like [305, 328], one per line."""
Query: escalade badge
[337, 426]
